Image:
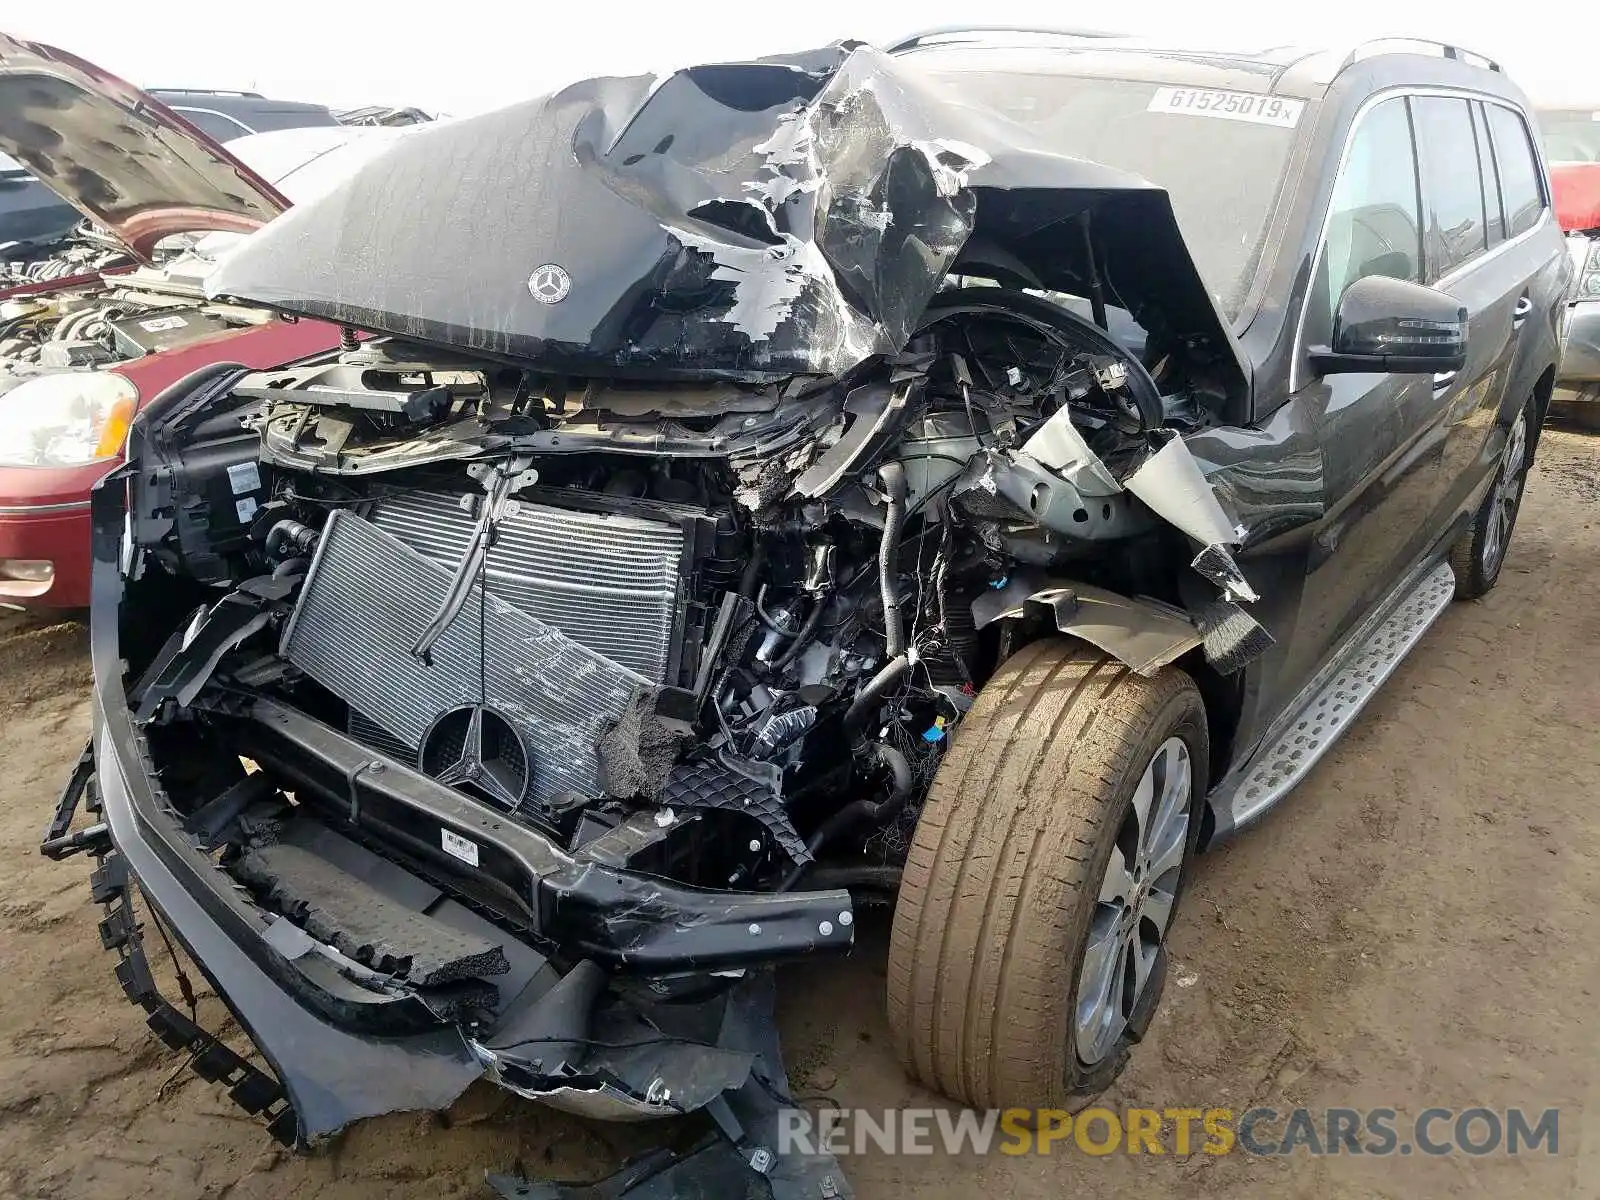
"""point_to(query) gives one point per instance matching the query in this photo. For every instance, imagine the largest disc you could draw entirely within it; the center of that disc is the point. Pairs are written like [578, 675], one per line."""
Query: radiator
[365, 600]
[606, 580]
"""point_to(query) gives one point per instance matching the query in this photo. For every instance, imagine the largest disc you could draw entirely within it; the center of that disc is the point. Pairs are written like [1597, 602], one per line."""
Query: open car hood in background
[792, 216]
[124, 160]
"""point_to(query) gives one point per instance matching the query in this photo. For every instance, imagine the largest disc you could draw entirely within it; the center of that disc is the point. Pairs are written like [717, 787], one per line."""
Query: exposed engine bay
[760, 610]
[112, 318]
[79, 255]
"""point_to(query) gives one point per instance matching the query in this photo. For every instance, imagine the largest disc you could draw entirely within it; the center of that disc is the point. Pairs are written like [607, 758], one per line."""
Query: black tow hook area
[744, 1158]
[60, 841]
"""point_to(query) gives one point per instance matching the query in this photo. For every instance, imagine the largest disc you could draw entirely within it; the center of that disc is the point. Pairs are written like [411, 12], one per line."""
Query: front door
[1381, 436]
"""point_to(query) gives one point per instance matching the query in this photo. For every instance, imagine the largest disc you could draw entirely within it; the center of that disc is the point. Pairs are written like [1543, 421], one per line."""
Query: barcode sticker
[460, 847]
[244, 477]
[1282, 111]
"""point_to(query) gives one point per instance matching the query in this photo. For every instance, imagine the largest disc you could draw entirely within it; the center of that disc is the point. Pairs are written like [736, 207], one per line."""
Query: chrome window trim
[180, 109]
[1371, 102]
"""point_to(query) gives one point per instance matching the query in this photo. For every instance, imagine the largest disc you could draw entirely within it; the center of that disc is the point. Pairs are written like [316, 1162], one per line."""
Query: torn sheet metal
[1216, 563]
[1145, 635]
[1172, 486]
[1058, 446]
[746, 221]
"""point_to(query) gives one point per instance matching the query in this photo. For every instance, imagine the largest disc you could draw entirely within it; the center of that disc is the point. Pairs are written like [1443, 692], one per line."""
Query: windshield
[1223, 213]
[1571, 136]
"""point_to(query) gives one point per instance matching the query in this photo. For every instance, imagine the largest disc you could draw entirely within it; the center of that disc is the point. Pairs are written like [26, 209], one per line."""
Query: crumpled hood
[124, 160]
[750, 220]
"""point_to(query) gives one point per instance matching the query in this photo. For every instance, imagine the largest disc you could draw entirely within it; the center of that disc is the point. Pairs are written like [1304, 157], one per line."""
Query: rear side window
[1452, 188]
[1486, 173]
[1519, 175]
[1373, 219]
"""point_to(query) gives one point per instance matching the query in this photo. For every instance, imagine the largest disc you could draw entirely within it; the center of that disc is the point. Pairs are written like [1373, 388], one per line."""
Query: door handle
[1522, 311]
[1443, 379]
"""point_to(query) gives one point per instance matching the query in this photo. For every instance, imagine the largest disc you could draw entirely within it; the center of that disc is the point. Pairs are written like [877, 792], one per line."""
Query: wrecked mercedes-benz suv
[766, 489]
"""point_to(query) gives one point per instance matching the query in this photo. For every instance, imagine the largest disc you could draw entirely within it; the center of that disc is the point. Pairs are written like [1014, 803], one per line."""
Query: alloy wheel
[1135, 903]
[1507, 494]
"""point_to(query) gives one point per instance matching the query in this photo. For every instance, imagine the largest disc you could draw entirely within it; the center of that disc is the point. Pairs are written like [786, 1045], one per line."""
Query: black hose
[1097, 295]
[893, 476]
[813, 619]
[766, 618]
[871, 696]
[874, 812]
[752, 570]
[292, 535]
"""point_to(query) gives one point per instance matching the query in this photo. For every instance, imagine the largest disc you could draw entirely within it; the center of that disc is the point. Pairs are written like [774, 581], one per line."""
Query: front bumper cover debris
[111, 886]
[739, 1162]
[339, 1051]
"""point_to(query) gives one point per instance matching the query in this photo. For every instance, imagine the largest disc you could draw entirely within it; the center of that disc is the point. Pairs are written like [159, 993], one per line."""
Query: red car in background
[79, 353]
[1572, 149]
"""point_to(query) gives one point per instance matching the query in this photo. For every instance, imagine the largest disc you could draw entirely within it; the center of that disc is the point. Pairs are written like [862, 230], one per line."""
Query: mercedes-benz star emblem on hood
[549, 284]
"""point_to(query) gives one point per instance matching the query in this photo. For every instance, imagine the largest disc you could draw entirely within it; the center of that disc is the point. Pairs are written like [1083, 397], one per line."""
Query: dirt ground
[1413, 927]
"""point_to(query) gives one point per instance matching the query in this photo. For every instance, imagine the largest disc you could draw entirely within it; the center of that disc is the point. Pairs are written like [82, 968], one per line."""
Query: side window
[1519, 174]
[1486, 175]
[1373, 224]
[1452, 189]
[216, 126]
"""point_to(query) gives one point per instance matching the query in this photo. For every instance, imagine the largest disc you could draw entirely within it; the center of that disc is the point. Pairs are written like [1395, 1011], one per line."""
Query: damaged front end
[509, 694]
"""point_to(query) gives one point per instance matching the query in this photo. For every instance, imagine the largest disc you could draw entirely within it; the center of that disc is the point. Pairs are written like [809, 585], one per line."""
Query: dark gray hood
[752, 220]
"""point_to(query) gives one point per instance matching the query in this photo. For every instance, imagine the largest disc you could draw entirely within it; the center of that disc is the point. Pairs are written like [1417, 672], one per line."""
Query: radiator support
[367, 596]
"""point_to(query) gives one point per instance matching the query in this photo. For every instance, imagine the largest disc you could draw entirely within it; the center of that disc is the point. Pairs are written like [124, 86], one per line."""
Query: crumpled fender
[1142, 634]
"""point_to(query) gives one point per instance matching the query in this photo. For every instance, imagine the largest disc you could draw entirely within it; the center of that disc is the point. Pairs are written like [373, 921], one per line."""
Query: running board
[1329, 704]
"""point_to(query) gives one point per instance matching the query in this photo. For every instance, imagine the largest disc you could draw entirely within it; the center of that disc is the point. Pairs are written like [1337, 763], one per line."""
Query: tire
[1479, 553]
[1002, 884]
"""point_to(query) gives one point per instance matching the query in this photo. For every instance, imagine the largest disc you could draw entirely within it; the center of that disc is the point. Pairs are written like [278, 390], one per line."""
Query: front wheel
[1029, 943]
[1480, 552]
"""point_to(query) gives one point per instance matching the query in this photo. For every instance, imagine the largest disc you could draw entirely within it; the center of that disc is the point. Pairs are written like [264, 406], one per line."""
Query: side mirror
[1396, 326]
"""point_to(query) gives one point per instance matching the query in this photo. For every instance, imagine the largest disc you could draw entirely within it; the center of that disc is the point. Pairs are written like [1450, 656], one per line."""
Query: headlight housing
[67, 419]
[1587, 285]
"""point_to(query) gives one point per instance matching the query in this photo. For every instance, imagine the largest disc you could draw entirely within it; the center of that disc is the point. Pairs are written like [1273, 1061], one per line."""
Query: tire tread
[977, 992]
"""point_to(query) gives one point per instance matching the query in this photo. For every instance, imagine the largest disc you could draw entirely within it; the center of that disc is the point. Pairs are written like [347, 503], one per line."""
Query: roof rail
[194, 91]
[957, 33]
[1389, 45]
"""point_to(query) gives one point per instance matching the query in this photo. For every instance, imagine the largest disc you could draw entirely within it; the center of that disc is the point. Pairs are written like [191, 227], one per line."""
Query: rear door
[1508, 291]
[1472, 255]
[1377, 432]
